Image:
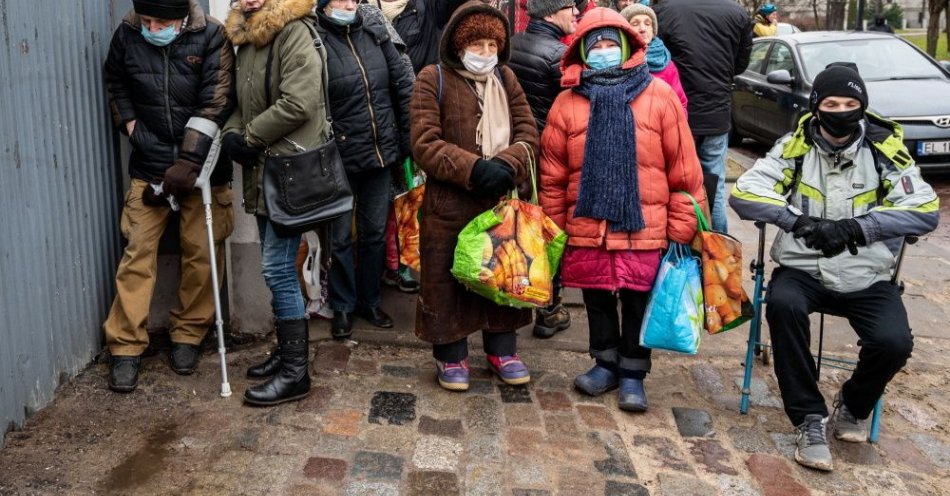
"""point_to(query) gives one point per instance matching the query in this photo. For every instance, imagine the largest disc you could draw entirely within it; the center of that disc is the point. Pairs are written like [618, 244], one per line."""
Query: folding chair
[757, 347]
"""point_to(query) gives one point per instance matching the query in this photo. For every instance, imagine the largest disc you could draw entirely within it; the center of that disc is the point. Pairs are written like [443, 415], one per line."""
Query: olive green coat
[297, 111]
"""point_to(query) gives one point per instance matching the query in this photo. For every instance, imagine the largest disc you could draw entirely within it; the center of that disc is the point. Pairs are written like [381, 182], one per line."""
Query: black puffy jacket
[710, 41]
[420, 27]
[536, 60]
[160, 88]
[369, 90]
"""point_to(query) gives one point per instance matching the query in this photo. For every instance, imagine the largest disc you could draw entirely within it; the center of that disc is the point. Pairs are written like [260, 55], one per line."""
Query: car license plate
[933, 148]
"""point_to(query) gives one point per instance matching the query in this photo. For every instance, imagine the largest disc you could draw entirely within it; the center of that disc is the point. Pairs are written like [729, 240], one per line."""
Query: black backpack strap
[267, 68]
[796, 175]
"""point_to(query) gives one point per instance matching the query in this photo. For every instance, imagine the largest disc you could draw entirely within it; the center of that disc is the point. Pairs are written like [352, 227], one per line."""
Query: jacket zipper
[168, 106]
[369, 99]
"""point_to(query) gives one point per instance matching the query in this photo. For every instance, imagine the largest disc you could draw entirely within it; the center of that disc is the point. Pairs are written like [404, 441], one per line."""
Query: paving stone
[280, 469]
[485, 447]
[436, 453]
[438, 427]
[553, 381]
[395, 408]
[393, 439]
[774, 476]
[671, 484]
[618, 461]
[343, 422]
[734, 486]
[514, 394]
[480, 386]
[877, 482]
[914, 413]
[614, 488]
[938, 452]
[429, 483]
[528, 472]
[372, 465]
[330, 358]
[400, 371]
[597, 417]
[785, 443]
[361, 366]
[857, 453]
[317, 401]
[325, 468]
[665, 452]
[482, 413]
[233, 462]
[522, 415]
[572, 482]
[364, 488]
[711, 455]
[692, 422]
[560, 425]
[751, 440]
[249, 439]
[530, 492]
[902, 450]
[707, 378]
[309, 490]
[524, 441]
[760, 395]
[553, 400]
[484, 480]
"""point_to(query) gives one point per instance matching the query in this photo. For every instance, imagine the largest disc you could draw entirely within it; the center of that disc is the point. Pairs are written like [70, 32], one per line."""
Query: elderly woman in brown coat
[469, 120]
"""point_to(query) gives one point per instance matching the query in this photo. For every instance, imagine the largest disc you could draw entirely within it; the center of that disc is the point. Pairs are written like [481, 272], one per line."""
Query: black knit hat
[543, 8]
[839, 79]
[162, 9]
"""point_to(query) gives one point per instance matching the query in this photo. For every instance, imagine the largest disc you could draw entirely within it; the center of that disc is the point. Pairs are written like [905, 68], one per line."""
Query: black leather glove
[180, 177]
[238, 150]
[151, 199]
[801, 222]
[831, 237]
[492, 178]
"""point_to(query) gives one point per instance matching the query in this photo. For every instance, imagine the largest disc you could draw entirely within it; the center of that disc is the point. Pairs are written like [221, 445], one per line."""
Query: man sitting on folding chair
[844, 192]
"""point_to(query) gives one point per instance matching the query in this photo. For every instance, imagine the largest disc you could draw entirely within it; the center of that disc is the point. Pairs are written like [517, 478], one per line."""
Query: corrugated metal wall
[60, 187]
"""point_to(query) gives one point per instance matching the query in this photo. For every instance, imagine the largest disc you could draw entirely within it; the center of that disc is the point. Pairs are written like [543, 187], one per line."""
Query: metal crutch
[204, 184]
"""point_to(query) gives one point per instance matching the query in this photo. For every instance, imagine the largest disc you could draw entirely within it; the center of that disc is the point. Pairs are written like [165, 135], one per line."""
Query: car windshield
[877, 59]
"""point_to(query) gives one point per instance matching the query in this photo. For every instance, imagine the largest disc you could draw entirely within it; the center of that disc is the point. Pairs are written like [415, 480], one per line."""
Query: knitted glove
[492, 178]
[237, 148]
[831, 237]
[181, 176]
[150, 198]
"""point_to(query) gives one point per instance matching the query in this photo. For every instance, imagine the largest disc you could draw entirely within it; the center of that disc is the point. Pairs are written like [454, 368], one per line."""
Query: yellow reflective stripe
[811, 192]
[782, 187]
[926, 208]
[866, 198]
[745, 195]
[797, 145]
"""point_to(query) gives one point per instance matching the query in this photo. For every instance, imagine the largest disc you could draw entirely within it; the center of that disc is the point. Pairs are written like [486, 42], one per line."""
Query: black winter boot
[266, 368]
[292, 381]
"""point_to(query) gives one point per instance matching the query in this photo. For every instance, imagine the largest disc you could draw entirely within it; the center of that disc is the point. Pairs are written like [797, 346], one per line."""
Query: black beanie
[839, 79]
[162, 9]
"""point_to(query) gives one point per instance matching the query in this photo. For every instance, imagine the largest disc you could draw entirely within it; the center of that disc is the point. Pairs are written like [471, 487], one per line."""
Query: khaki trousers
[143, 226]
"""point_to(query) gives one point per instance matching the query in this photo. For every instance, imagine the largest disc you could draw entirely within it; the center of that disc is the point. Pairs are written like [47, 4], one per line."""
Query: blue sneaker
[596, 381]
[510, 369]
[632, 396]
[452, 376]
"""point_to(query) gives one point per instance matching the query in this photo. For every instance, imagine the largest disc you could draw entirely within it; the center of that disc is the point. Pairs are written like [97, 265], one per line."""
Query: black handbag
[304, 189]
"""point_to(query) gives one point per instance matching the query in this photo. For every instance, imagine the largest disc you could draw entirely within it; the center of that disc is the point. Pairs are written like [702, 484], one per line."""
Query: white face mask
[476, 64]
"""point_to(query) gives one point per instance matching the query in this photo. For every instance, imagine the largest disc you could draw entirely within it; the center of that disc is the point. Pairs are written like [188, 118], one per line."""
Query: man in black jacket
[419, 24]
[710, 41]
[169, 77]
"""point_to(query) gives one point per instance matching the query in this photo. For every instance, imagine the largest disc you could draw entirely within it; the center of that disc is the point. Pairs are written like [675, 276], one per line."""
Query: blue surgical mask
[161, 38]
[603, 58]
[343, 17]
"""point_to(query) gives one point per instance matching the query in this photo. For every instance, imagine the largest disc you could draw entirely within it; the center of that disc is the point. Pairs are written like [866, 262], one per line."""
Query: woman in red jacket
[616, 148]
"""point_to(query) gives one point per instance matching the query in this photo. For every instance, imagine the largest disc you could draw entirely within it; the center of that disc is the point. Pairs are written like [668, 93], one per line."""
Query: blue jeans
[355, 283]
[278, 257]
[712, 156]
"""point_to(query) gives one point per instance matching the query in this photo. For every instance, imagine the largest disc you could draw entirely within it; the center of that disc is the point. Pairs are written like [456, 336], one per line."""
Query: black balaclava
[839, 79]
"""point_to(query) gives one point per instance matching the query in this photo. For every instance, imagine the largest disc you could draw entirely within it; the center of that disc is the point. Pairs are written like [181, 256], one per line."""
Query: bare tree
[834, 14]
[934, 9]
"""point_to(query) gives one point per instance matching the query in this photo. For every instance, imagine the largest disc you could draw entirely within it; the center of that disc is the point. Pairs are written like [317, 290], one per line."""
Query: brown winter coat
[443, 143]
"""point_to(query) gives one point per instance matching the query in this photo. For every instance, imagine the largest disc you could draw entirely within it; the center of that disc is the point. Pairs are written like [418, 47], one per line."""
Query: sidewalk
[376, 423]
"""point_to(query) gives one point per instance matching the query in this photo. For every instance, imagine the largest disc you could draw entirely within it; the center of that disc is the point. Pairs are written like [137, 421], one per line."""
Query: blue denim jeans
[712, 156]
[280, 272]
[355, 283]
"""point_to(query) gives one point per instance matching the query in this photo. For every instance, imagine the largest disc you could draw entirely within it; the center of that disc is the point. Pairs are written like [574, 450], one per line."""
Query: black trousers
[494, 343]
[612, 340]
[876, 314]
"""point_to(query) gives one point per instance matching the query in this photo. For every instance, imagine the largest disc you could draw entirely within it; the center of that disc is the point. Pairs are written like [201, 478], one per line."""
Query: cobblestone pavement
[376, 423]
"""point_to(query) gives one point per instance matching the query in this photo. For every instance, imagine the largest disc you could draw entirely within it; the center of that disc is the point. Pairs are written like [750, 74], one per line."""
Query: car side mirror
[780, 76]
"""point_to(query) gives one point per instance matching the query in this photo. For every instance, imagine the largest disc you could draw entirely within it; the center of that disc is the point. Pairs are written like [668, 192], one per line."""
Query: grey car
[904, 85]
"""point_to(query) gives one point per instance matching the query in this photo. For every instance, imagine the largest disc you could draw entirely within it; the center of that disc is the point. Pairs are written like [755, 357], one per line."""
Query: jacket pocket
[223, 213]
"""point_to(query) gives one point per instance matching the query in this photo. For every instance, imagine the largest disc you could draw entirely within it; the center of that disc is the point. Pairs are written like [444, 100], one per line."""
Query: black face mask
[841, 124]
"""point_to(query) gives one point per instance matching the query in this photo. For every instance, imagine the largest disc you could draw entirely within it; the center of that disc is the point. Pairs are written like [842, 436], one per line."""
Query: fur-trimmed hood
[449, 56]
[261, 27]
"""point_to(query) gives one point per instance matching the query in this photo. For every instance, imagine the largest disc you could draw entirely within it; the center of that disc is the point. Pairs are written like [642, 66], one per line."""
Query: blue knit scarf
[658, 56]
[609, 188]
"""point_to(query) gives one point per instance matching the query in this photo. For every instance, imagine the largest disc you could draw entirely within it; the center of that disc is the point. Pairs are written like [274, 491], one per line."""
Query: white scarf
[392, 9]
[493, 132]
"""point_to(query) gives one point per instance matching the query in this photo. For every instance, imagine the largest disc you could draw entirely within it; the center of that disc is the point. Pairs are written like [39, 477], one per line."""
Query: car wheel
[735, 139]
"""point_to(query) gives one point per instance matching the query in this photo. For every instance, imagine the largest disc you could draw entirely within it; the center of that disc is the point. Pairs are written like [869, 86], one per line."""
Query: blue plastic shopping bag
[674, 316]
